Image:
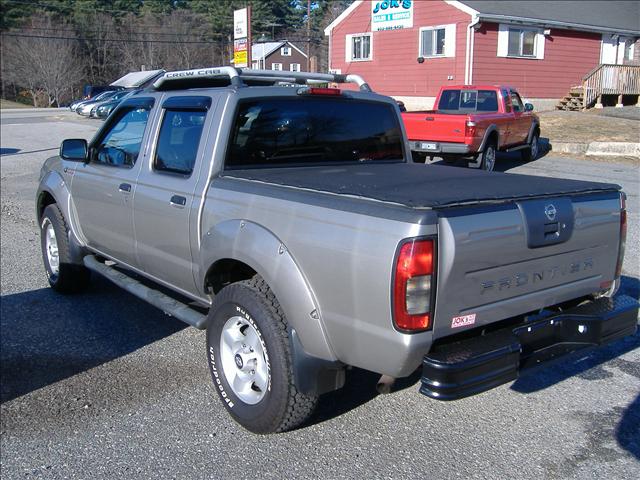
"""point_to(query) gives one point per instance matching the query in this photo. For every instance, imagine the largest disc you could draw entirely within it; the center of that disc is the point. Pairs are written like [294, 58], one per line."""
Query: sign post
[242, 38]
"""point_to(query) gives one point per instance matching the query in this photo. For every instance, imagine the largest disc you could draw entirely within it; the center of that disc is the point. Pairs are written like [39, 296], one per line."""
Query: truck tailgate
[496, 262]
[434, 126]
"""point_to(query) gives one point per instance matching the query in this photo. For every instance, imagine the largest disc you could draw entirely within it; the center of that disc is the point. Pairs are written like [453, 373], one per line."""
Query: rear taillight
[623, 233]
[413, 283]
[470, 129]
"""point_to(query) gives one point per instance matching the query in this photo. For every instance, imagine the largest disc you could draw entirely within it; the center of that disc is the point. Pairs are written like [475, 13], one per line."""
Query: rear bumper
[466, 367]
[440, 147]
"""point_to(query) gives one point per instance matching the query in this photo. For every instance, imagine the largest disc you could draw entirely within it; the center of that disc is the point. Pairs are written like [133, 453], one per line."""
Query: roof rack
[202, 77]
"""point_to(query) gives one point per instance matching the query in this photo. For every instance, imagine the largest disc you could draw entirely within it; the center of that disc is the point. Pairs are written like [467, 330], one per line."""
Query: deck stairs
[573, 101]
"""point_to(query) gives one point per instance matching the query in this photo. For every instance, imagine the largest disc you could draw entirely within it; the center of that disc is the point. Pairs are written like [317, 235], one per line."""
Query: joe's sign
[391, 14]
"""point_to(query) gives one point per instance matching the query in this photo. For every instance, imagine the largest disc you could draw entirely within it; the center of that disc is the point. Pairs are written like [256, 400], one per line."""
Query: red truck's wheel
[531, 153]
[489, 157]
[250, 359]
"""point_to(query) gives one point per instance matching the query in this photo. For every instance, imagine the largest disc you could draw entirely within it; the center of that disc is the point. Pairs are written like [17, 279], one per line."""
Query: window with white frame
[520, 42]
[276, 66]
[358, 47]
[438, 41]
[285, 51]
[294, 67]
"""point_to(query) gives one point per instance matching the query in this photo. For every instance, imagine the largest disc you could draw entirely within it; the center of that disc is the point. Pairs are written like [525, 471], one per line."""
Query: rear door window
[306, 130]
[178, 141]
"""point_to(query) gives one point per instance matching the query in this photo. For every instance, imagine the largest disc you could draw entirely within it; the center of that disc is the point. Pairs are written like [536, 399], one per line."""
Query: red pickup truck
[474, 121]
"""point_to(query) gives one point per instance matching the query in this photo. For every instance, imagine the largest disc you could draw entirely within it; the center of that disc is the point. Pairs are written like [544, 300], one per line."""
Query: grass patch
[578, 127]
[9, 104]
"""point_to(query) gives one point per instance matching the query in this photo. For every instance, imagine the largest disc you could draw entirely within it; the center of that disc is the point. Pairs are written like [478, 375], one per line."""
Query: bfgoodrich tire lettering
[261, 405]
[63, 276]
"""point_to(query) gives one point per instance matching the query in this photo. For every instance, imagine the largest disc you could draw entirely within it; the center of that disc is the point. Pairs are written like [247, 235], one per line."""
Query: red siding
[394, 69]
[568, 56]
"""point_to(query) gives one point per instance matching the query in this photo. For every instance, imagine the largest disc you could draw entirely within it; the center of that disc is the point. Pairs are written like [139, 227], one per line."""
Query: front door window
[120, 146]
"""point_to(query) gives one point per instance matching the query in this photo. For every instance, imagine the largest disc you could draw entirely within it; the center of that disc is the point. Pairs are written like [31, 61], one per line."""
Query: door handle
[125, 188]
[178, 201]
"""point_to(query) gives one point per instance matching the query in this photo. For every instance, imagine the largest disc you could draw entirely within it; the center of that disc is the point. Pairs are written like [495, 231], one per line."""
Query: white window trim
[288, 50]
[273, 67]
[449, 40]
[293, 65]
[503, 42]
[632, 51]
[349, 44]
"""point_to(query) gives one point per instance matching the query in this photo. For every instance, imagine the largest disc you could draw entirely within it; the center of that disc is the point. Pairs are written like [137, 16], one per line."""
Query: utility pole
[308, 35]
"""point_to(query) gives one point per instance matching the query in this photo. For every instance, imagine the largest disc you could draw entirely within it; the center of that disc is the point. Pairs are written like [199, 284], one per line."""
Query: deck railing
[610, 80]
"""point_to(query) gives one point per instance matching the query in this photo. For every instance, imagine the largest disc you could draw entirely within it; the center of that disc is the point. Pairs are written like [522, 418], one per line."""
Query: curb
[35, 110]
[617, 149]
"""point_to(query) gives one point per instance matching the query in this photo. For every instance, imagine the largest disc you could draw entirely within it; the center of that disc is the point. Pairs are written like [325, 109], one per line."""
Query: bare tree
[47, 67]
[97, 31]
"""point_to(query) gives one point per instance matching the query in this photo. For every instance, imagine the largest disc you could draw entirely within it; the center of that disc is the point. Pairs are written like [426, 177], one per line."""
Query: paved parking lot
[102, 385]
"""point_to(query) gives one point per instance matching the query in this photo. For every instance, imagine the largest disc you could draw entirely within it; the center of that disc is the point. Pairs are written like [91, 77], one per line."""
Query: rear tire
[419, 157]
[488, 156]
[251, 362]
[63, 275]
[531, 153]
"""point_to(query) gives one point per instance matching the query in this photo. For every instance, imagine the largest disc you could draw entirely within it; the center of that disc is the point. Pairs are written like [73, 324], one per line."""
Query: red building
[410, 48]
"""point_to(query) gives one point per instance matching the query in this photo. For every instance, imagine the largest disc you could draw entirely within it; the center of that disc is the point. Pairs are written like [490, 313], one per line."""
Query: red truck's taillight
[623, 233]
[470, 129]
[413, 283]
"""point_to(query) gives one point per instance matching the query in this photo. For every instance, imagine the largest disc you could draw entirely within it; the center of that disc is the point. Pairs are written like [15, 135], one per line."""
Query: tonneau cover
[420, 186]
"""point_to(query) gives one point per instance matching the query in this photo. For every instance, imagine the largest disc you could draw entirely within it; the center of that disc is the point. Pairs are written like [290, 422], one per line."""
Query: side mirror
[528, 107]
[74, 149]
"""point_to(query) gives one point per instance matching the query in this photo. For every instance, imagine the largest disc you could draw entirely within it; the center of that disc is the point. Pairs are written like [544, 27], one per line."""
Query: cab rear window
[466, 101]
[303, 131]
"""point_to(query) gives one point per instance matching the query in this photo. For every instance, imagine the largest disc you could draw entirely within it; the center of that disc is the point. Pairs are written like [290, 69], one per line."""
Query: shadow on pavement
[47, 337]
[628, 430]
[504, 161]
[359, 388]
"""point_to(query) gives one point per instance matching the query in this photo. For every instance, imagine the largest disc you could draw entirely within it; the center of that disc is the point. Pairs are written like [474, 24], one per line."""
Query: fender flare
[535, 125]
[54, 185]
[260, 249]
[492, 128]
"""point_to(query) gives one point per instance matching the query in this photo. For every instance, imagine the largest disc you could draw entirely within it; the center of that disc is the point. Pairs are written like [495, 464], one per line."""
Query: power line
[63, 7]
[145, 32]
[108, 40]
[133, 40]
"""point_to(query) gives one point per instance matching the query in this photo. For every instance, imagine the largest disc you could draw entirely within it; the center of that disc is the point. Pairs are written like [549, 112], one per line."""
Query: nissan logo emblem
[550, 211]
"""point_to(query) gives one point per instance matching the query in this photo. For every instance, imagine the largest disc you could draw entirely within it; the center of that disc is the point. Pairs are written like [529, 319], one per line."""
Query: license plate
[429, 146]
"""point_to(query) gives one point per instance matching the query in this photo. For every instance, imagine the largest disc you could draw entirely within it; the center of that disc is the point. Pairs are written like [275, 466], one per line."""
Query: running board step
[519, 147]
[156, 298]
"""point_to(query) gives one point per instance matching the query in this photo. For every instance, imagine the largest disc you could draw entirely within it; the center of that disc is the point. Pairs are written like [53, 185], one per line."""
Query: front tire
[63, 275]
[250, 359]
[531, 153]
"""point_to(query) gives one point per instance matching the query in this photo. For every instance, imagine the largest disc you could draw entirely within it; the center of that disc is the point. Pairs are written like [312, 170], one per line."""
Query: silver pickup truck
[287, 218]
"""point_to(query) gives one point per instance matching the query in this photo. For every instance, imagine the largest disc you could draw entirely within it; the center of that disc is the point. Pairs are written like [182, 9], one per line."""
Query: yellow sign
[240, 47]
[240, 58]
